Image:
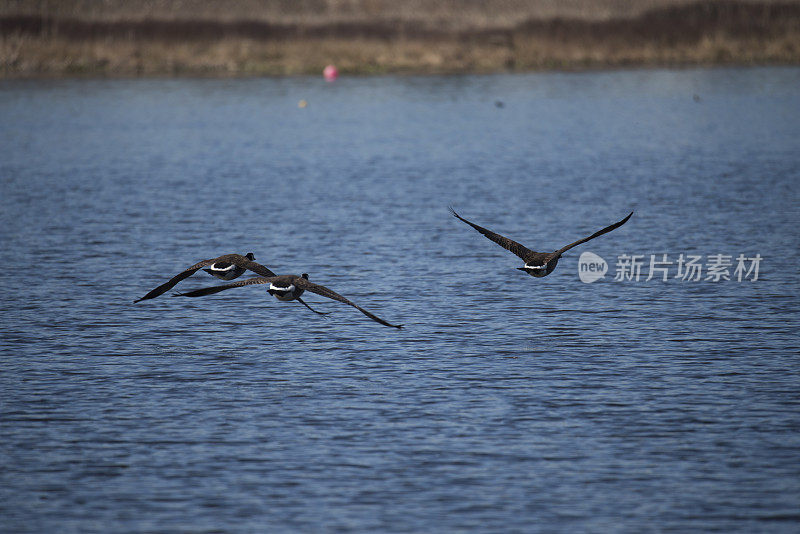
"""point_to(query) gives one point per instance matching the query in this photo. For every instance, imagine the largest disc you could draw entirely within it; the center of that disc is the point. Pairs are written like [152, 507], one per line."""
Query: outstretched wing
[163, 288]
[607, 229]
[236, 259]
[325, 292]
[216, 289]
[506, 243]
[250, 265]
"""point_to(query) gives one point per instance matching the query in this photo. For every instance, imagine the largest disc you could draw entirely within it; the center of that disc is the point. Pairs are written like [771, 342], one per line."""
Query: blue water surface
[505, 404]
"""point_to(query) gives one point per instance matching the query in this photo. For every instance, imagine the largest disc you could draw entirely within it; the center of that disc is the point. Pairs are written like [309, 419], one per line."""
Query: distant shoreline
[703, 33]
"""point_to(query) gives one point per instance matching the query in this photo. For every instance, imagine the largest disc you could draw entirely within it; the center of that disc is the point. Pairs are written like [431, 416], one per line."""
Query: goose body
[285, 294]
[537, 264]
[539, 270]
[228, 270]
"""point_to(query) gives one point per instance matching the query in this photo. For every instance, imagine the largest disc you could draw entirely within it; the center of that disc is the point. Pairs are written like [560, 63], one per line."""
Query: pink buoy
[330, 73]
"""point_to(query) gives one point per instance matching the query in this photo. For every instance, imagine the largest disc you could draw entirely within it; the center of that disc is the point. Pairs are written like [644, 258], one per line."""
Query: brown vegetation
[363, 36]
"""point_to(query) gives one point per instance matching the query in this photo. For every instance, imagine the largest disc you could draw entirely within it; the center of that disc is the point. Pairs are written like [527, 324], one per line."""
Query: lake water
[506, 404]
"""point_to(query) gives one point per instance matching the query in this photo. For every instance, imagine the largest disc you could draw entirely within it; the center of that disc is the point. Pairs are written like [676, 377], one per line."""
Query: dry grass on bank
[248, 57]
[711, 32]
[443, 14]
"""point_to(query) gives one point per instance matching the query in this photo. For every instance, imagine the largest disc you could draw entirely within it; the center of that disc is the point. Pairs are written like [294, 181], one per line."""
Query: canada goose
[226, 267]
[286, 287]
[537, 264]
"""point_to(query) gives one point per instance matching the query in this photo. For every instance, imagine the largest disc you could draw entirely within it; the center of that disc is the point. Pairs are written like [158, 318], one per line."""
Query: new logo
[591, 267]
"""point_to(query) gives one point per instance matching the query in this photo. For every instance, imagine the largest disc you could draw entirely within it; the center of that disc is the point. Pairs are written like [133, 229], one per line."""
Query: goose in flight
[537, 264]
[287, 287]
[225, 267]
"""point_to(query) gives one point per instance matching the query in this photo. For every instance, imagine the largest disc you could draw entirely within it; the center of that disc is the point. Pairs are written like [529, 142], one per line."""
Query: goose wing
[325, 292]
[250, 265]
[163, 288]
[236, 259]
[607, 229]
[506, 243]
[216, 289]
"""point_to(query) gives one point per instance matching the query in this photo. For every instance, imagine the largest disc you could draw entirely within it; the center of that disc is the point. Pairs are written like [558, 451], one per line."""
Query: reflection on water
[506, 402]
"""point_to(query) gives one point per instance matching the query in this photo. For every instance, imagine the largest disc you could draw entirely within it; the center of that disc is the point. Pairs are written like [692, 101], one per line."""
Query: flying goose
[537, 264]
[225, 267]
[286, 287]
